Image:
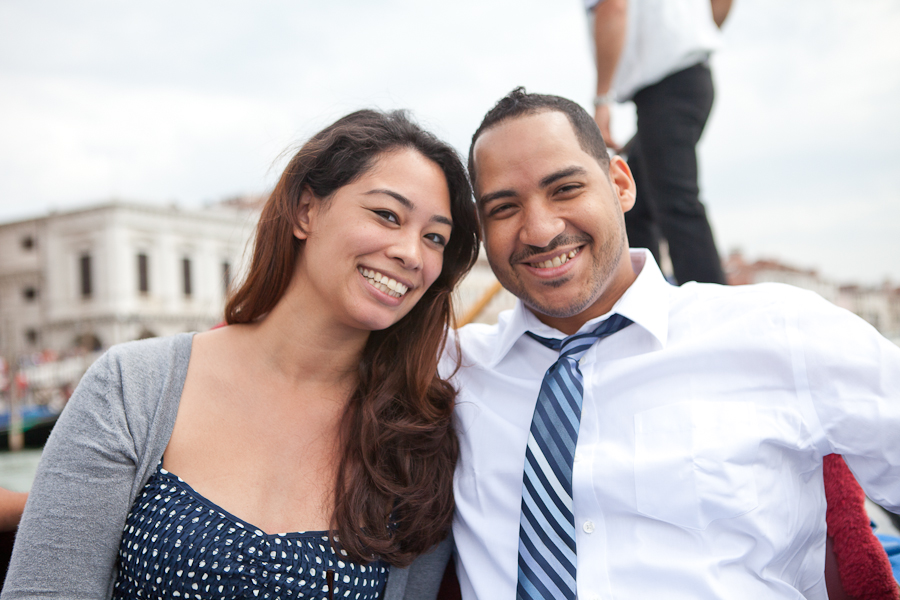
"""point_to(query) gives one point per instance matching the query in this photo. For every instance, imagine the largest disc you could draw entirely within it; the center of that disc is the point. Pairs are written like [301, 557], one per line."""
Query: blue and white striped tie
[547, 525]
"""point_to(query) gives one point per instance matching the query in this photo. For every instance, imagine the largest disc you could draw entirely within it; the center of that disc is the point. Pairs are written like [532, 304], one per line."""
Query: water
[17, 469]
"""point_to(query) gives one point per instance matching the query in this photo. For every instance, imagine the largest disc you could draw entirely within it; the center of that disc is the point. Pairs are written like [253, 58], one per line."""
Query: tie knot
[575, 346]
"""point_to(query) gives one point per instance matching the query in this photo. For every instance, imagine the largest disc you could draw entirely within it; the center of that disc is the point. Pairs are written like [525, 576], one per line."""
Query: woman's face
[376, 245]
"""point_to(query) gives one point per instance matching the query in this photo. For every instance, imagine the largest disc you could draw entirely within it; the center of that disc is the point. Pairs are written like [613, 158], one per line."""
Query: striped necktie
[547, 524]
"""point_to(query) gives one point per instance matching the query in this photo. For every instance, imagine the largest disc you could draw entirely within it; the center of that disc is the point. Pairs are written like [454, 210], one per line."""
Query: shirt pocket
[694, 461]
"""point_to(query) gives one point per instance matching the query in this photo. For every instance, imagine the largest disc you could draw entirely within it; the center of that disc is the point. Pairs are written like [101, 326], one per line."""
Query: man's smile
[556, 260]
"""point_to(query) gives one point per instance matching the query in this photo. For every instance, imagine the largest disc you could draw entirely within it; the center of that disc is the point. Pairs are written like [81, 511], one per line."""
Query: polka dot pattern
[178, 544]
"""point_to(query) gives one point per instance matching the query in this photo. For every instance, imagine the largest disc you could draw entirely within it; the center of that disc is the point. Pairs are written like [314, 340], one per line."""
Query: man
[706, 410]
[656, 53]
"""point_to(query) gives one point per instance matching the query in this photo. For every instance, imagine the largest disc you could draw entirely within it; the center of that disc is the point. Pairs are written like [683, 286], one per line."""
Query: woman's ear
[301, 224]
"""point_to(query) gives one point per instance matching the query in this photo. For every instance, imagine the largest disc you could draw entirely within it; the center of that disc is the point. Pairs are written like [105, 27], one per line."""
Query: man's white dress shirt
[698, 468]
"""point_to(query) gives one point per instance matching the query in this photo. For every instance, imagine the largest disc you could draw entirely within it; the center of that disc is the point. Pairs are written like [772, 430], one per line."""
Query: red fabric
[863, 565]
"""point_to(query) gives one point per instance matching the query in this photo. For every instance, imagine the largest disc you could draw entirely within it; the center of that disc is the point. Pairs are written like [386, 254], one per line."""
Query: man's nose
[541, 225]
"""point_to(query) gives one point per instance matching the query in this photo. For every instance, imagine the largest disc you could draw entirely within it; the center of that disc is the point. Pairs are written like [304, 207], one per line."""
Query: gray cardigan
[105, 446]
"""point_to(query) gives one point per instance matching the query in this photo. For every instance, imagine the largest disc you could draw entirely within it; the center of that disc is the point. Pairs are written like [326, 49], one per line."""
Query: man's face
[553, 223]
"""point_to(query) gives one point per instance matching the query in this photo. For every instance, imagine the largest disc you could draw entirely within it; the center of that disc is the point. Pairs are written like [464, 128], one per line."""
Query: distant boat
[37, 422]
[47, 386]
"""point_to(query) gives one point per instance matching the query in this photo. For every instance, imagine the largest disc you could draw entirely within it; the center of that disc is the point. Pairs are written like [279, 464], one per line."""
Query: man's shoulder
[475, 342]
[761, 306]
[768, 293]
[482, 344]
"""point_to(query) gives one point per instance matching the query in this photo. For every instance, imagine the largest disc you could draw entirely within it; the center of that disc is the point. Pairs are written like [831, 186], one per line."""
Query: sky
[189, 103]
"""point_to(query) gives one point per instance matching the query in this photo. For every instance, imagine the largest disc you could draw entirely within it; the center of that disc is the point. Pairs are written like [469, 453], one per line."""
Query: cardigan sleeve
[422, 579]
[68, 539]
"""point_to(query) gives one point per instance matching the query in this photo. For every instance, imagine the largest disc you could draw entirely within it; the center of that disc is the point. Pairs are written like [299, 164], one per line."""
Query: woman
[180, 463]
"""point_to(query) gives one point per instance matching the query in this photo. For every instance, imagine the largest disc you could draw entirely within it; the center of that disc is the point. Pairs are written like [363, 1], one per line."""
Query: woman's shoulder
[135, 369]
[152, 355]
[150, 348]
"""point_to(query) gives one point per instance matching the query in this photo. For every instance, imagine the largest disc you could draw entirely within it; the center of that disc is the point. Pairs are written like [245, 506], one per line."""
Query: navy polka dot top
[178, 544]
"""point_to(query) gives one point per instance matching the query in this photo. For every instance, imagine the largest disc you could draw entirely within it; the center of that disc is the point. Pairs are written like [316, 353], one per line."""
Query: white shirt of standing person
[662, 37]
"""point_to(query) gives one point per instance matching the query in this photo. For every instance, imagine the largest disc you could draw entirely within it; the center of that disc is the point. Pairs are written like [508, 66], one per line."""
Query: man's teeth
[559, 260]
[389, 286]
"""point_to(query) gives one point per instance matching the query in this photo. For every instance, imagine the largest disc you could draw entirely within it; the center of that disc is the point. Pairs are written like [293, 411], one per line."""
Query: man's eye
[436, 238]
[500, 209]
[570, 187]
[387, 215]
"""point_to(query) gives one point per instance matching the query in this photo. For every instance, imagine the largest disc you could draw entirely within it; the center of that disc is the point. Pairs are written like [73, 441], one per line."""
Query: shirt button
[588, 527]
[577, 456]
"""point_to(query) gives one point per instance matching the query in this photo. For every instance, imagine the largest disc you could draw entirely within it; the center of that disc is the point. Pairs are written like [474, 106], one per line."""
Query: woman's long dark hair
[394, 493]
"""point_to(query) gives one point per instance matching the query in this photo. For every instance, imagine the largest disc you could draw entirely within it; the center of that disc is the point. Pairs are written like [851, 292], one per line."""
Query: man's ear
[304, 210]
[622, 182]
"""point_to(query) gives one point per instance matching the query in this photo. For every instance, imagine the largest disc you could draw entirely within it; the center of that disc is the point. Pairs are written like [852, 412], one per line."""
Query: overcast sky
[193, 102]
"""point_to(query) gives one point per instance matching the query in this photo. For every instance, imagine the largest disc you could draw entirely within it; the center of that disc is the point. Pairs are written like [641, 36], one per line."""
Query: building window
[31, 336]
[30, 294]
[28, 243]
[87, 287]
[143, 275]
[226, 277]
[186, 276]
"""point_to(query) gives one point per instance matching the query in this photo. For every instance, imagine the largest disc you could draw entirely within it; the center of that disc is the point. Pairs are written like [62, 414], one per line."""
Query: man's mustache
[563, 239]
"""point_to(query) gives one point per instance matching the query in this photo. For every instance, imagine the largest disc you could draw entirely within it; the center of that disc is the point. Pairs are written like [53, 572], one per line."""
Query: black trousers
[671, 116]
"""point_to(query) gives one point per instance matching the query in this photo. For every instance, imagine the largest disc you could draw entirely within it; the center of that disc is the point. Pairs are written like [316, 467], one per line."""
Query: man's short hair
[519, 102]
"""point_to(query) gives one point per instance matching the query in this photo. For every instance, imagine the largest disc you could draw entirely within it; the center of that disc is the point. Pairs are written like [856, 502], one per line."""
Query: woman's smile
[384, 283]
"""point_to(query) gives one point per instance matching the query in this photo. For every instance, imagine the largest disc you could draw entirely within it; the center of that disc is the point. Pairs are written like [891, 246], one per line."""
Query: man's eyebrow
[408, 204]
[568, 172]
[548, 180]
[496, 196]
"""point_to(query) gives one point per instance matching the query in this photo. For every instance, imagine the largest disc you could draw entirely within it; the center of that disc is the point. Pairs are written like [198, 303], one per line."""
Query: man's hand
[720, 10]
[602, 117]
[610, 24]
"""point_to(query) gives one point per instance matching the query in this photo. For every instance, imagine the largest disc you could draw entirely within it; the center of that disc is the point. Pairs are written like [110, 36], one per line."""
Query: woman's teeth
[559, 260]
[383, 283]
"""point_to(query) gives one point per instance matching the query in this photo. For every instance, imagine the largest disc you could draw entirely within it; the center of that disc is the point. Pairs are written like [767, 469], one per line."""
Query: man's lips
[562, 245]
[556, 261]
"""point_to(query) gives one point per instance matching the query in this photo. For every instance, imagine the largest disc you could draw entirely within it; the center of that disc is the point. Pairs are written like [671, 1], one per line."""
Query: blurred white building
[98, 276]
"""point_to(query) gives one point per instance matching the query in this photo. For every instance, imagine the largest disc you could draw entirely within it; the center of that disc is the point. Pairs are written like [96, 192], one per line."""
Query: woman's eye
[437, 239]
[387, 215]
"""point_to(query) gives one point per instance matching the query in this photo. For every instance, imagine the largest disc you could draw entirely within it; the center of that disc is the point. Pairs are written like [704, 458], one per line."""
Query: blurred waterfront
[17, 469]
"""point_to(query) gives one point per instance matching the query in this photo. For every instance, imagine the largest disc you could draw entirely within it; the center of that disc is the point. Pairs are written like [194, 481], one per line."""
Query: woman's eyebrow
[409, 204]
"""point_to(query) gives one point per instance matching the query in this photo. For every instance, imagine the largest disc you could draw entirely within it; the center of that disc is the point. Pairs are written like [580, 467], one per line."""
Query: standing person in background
[656, 53]
[307, 449]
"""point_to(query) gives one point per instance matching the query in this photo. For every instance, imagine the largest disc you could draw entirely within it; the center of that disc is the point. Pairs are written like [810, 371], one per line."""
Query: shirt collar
[646, 302]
